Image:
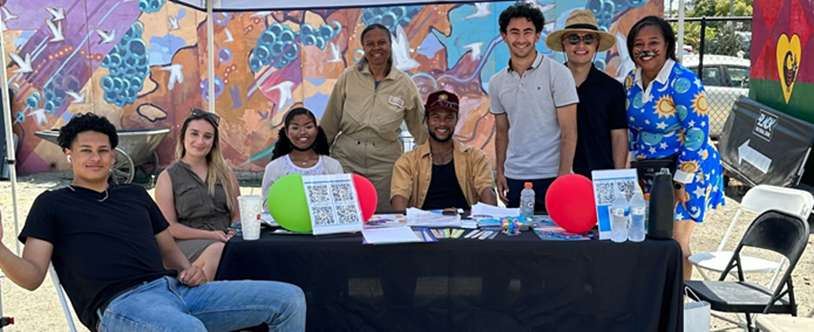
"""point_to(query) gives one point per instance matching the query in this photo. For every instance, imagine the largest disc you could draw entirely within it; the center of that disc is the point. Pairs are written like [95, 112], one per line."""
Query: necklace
[441, 158]
[302, 162]
[98, 200]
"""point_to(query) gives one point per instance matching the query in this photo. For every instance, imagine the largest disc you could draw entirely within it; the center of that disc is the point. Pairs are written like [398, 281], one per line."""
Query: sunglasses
[211, 117]
[444, 102]
[574, 39]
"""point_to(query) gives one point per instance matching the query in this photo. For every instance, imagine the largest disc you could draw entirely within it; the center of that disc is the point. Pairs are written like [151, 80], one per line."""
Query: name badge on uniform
[395, 101]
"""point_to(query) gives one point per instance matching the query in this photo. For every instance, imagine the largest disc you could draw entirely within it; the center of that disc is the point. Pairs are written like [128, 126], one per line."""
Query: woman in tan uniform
[198, 193]
[365, 111]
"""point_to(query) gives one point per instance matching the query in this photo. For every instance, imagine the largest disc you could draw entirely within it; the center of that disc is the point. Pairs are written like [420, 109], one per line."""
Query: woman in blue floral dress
[668, 117]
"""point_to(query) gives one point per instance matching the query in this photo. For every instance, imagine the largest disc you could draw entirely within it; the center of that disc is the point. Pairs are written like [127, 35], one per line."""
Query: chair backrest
[782, 233]
[763, 198]
[779, 232]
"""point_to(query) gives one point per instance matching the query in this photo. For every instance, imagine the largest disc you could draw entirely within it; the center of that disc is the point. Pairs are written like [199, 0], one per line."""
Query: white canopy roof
[261, 5]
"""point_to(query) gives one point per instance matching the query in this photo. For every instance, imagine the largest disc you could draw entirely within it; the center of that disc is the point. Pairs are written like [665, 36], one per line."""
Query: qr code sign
[628, 187]
[319, 194]
[605, 191]
[347, 214]
[323, 215]
[342, 192]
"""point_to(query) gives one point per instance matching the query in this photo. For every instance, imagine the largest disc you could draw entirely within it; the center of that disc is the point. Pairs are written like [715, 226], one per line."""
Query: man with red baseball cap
[443, 172]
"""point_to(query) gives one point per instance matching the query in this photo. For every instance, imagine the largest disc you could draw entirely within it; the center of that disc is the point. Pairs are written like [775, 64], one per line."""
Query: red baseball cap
[441, 100]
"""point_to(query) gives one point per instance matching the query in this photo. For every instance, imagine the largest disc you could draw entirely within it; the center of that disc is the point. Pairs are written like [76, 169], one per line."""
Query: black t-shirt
[601, 109]
[100, 248]
[444, 191]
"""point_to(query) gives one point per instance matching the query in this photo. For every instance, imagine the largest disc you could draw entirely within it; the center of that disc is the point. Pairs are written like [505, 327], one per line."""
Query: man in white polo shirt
[534, 101]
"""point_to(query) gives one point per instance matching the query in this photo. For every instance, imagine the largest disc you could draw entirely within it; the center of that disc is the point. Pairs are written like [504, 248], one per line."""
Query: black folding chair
[779, 232]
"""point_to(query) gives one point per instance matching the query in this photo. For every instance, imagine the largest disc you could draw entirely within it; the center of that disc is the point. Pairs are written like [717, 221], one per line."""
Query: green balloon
[287, 204]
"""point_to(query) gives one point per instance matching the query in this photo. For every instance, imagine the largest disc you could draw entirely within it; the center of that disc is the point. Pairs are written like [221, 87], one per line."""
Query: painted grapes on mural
[143, 64]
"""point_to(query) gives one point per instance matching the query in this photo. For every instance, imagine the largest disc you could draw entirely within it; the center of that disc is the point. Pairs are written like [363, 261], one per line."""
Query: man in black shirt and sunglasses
[601, 124]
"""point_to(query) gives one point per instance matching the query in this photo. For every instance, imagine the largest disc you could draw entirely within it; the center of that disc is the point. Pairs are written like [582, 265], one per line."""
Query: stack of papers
[386, 220]
[390, 235]
[418, 217]
[486, 211]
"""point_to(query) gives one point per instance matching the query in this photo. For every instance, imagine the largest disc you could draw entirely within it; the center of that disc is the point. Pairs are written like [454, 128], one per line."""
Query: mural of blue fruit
[127, 66]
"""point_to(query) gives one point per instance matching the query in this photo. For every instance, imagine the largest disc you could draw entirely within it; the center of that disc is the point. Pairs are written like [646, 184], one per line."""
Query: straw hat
[580, 20]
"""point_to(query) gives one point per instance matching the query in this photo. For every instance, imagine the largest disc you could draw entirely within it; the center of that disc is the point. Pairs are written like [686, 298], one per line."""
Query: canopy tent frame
[210, 7]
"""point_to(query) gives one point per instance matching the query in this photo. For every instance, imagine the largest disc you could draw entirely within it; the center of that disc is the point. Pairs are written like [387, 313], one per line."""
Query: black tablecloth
[506, 284]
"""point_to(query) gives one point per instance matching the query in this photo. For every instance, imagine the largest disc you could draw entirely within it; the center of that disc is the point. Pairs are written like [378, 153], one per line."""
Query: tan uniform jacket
[363, 124]
[413, 172]
[358, 109]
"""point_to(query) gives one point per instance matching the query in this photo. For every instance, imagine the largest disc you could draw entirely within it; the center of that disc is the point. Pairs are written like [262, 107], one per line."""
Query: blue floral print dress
[671, 117]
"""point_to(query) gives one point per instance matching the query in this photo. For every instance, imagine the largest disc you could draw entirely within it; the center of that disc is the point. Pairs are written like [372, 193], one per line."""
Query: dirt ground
[40, 310]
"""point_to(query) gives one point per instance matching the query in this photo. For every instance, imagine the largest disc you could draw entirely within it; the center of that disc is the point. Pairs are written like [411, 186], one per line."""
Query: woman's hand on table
[221, 235]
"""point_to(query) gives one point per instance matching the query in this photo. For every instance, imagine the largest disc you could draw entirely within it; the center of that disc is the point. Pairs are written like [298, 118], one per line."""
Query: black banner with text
[760, 145]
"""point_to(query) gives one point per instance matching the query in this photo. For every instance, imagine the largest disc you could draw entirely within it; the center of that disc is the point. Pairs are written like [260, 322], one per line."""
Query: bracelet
[678, 186]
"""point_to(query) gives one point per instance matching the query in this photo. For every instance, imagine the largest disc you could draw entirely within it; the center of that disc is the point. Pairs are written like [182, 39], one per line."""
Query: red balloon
[367, 196]
[570, 203]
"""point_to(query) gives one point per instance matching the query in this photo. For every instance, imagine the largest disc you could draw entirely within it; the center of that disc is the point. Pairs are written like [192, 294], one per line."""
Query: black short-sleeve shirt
[445, 191]
[601, 109]
[100, 248]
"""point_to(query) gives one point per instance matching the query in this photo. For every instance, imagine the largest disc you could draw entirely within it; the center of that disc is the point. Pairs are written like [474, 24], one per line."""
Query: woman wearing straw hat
[601, 121]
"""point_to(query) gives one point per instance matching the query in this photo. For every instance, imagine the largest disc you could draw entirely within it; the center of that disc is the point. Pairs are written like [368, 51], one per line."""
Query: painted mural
[783, 56]
[142, 64]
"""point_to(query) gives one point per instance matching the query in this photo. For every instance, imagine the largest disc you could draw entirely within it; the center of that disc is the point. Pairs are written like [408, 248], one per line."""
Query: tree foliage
[721, 37]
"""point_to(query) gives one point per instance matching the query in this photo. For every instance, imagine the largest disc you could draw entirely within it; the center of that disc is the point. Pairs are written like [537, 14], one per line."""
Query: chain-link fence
[718, 50]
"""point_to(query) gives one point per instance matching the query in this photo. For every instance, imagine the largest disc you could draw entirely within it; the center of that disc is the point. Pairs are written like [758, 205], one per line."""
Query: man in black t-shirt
[117, 261]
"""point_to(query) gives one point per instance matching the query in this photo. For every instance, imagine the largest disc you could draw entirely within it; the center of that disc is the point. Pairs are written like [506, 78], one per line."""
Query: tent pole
[210, 52]
[680, 41]
[11, 156]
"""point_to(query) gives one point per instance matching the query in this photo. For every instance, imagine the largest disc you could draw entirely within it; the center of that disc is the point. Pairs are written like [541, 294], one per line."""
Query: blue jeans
[167, 305]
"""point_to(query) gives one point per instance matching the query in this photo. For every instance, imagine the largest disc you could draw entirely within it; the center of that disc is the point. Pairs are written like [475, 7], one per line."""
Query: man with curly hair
[118, 262]
[534, 101]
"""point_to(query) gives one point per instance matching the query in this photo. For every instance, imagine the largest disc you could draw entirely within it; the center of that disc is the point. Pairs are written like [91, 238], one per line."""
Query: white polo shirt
[530, 102]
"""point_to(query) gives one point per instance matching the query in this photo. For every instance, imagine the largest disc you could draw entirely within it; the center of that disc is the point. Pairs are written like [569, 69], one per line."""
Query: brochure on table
[486, 211]
[386, 221]
[607, 184]
[332, 204]
[389, 235]
[418, 217]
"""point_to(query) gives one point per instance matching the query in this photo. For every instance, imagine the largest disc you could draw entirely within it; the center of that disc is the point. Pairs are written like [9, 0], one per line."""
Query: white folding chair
[61, 294]
[757, 200]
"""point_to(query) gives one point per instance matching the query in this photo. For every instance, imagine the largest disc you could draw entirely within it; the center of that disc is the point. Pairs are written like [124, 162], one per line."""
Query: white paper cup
[250, 207]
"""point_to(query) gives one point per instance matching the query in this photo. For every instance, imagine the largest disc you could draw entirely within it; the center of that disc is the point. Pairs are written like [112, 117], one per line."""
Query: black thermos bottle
[662, 206]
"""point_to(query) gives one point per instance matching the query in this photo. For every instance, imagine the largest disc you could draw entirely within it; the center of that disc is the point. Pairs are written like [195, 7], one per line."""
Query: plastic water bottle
[527, 202]
[638, 212]
[620, 213]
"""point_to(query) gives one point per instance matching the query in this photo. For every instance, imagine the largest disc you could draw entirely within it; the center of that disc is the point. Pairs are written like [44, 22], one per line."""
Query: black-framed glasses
[200, 114]
[574, 39]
